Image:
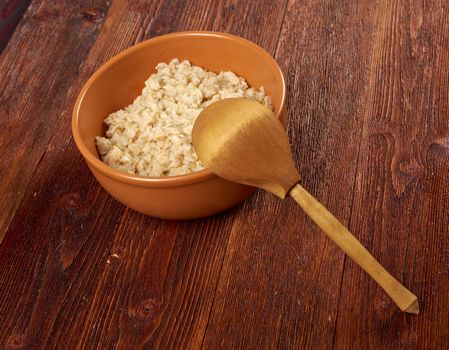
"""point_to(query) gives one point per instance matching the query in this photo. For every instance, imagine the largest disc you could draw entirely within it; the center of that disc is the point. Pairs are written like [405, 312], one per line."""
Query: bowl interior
[121, 80]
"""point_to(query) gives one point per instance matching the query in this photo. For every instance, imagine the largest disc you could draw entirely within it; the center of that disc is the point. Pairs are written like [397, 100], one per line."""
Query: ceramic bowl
[118, 82]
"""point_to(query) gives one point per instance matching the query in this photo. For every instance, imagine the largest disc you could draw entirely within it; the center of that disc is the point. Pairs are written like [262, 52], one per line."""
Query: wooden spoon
[242, 141]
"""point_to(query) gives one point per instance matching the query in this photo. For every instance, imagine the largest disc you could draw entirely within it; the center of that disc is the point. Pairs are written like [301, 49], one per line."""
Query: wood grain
[368, 106]
[402, 184]
[281, 272]
[164, 274]
[32, 103]
[345, 240]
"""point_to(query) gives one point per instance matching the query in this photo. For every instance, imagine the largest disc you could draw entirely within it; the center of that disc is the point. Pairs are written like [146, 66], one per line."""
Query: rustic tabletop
[368, 118]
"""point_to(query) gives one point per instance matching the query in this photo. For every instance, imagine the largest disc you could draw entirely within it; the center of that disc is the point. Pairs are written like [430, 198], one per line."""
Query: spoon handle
[334, 229]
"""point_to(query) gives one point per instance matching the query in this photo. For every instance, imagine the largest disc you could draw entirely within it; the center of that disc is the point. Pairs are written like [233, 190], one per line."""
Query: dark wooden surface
[368, 102]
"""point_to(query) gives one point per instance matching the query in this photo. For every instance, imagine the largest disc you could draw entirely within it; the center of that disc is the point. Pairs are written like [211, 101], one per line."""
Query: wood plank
[178, 314]
[81, 270]
[102, 276]
[54, 252]
[280, 281]
[402, 188]
[35, 78]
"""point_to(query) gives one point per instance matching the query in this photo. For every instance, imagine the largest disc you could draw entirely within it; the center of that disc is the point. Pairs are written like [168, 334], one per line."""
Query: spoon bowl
[219, 141]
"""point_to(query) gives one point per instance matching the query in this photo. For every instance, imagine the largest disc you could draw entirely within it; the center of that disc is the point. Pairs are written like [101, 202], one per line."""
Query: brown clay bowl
[118, 82]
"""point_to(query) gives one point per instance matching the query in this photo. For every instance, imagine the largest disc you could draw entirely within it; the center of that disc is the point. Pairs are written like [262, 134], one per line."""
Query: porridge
[152, 136]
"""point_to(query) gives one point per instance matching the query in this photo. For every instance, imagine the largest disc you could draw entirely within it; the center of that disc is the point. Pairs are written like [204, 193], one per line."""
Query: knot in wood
[383, 307]
[409, 167]
[148, 308]
[92, 13]
[115, 257]
[15, 341]
[70, 200]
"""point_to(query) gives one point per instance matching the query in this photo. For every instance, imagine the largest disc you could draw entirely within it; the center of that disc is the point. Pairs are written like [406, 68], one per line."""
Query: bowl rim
[157, 181]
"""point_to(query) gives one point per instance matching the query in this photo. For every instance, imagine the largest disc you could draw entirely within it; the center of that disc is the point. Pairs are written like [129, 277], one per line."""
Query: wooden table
[368, 102]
